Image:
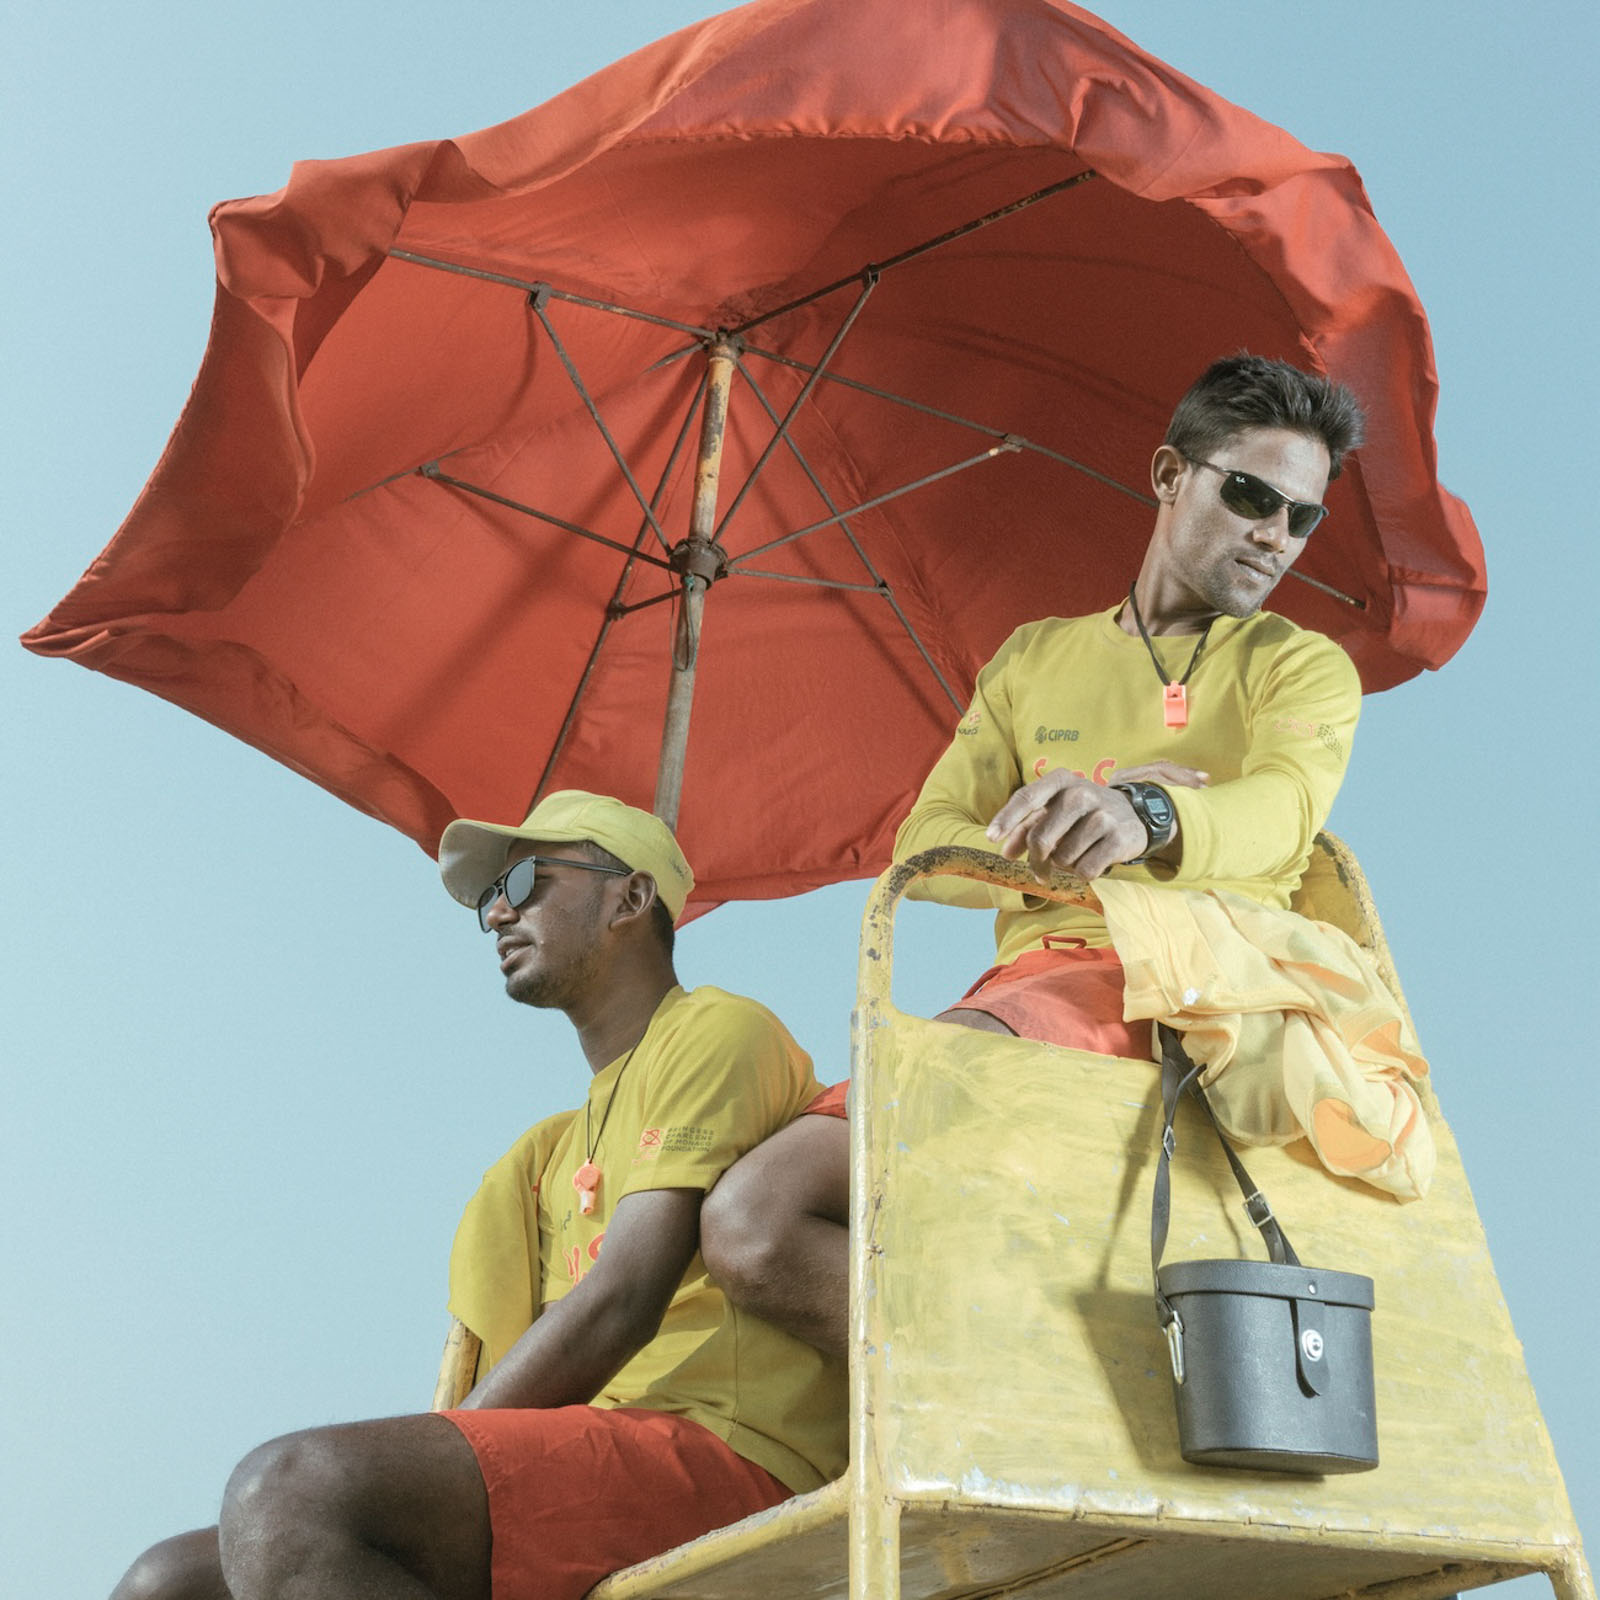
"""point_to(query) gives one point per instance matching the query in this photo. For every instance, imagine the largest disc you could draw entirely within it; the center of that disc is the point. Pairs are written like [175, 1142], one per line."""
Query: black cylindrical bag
[1271, 1360]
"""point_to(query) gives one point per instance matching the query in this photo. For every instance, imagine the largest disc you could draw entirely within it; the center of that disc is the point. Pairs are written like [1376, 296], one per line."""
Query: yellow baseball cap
[473, 854]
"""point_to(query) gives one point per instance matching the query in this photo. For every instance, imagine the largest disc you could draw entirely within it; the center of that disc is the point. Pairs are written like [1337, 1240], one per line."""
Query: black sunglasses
[516, 882]
[1249, 496]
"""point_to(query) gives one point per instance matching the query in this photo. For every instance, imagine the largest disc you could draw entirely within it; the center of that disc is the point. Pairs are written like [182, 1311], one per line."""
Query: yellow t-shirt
[1272, 711]
[713, 1076]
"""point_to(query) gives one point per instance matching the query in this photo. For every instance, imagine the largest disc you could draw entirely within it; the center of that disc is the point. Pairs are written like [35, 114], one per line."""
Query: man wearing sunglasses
[1185, 736]
[621, 1406]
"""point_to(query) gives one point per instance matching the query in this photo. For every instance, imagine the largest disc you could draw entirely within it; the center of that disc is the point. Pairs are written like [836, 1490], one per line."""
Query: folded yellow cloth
[1298, 1034]
[495, 1283]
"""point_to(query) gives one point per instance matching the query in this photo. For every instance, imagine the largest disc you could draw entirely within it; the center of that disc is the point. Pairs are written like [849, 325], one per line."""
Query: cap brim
[471, 856]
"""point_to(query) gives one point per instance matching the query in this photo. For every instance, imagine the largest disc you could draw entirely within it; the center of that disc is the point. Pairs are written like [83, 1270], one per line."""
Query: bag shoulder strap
[1178, 1074]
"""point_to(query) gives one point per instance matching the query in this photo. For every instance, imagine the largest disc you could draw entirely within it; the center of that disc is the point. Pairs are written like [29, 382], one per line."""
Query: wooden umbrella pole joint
[700, 561]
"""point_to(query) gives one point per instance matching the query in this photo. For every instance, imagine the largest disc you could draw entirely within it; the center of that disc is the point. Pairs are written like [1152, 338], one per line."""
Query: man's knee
[407, 1488]
[752, 1221]
[742, 1230]
[182, 1568]
[281, 1489]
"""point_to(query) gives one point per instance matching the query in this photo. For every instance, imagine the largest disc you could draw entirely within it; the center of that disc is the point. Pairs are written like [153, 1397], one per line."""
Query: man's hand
[1066, 823]
[1166, 773]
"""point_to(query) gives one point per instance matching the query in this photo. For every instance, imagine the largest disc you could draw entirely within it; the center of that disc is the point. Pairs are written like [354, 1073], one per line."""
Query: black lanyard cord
[1144, 633]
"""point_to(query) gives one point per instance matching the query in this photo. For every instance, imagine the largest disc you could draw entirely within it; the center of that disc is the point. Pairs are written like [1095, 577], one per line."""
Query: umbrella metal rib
[395, 477]
[1003, 447]
[879, 583]
[1016, 442]
[987, 428]
[432, 471]
[812, 583]
[532, 286]
[536, 303]
[616, 608]
[876, 269]
[781, 434]
[1326, 588]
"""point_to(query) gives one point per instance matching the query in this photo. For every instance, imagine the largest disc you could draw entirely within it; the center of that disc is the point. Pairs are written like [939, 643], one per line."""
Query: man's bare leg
[775, 1231]
[187, 1567]
[393, 1509]
[966, 1017]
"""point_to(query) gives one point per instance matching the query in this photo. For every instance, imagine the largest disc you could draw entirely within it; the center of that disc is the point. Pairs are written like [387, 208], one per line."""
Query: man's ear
[636, 895]
[1167, 467]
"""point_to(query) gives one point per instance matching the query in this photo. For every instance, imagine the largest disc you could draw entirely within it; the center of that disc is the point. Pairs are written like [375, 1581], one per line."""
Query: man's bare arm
[578, 1343]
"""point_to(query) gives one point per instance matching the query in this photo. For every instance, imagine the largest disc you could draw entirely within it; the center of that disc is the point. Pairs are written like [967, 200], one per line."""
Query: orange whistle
[1175, 705]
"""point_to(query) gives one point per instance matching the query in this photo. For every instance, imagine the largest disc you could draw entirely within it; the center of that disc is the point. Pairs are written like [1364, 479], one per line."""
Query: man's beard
[554, 983]
[548, 989]
[1230, 597]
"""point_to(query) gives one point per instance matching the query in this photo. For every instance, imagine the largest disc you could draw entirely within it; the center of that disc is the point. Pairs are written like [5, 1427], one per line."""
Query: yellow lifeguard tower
[1013, 1427]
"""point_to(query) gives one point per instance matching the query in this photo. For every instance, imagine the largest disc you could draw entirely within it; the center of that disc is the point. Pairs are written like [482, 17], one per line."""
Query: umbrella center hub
[699, 558]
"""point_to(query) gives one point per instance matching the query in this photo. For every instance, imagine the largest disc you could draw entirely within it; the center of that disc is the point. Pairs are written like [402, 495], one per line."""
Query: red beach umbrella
[791, 361]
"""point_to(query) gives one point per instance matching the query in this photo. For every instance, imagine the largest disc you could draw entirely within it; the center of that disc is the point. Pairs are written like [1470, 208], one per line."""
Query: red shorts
[579, 1491]
[1068, 997]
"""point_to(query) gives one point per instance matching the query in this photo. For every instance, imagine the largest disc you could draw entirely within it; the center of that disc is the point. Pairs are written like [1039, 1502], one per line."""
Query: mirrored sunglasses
[517, 881]
[1246, 495]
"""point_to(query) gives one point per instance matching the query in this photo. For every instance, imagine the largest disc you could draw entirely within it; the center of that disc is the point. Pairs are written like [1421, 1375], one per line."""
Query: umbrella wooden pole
[700, 560]
[680, 702]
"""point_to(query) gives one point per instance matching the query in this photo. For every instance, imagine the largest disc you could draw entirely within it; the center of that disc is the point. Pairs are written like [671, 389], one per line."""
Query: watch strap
[1156, 834]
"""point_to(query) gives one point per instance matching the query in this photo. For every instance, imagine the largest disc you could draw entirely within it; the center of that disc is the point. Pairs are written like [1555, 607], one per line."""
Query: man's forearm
[1252, 827]
[581, 1341]
[574, 1348]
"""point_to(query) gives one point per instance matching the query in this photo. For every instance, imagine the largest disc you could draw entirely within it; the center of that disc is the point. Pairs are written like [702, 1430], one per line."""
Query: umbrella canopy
[864, 317]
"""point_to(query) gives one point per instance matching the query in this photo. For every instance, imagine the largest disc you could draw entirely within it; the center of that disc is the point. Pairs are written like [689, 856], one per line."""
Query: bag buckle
[1174, 1332]
[1169, 1140]
[1258, 1209]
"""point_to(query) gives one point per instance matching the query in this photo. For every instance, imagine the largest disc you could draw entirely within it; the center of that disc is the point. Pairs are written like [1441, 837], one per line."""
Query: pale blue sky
[256, 1060]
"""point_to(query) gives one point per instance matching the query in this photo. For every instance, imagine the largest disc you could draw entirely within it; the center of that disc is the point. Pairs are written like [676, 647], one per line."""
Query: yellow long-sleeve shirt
[1272, 711]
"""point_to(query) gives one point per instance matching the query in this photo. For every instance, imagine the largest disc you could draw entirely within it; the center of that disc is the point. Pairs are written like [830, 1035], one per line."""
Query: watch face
[1158, 806]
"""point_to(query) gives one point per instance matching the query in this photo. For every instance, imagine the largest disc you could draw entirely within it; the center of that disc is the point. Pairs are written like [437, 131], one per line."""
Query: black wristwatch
[1153, 807]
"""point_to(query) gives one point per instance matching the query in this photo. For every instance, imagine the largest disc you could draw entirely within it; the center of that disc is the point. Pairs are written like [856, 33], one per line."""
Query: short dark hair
[1245, 391]
[660, 917]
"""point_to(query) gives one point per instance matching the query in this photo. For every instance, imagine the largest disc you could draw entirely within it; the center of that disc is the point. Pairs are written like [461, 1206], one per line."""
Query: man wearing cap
[622, 1405]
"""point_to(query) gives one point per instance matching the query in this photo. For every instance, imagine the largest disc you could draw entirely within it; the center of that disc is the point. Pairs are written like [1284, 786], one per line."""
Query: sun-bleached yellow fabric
[713, 1076]
[1299, 1035]
[1272, 712]
[494, 1261]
